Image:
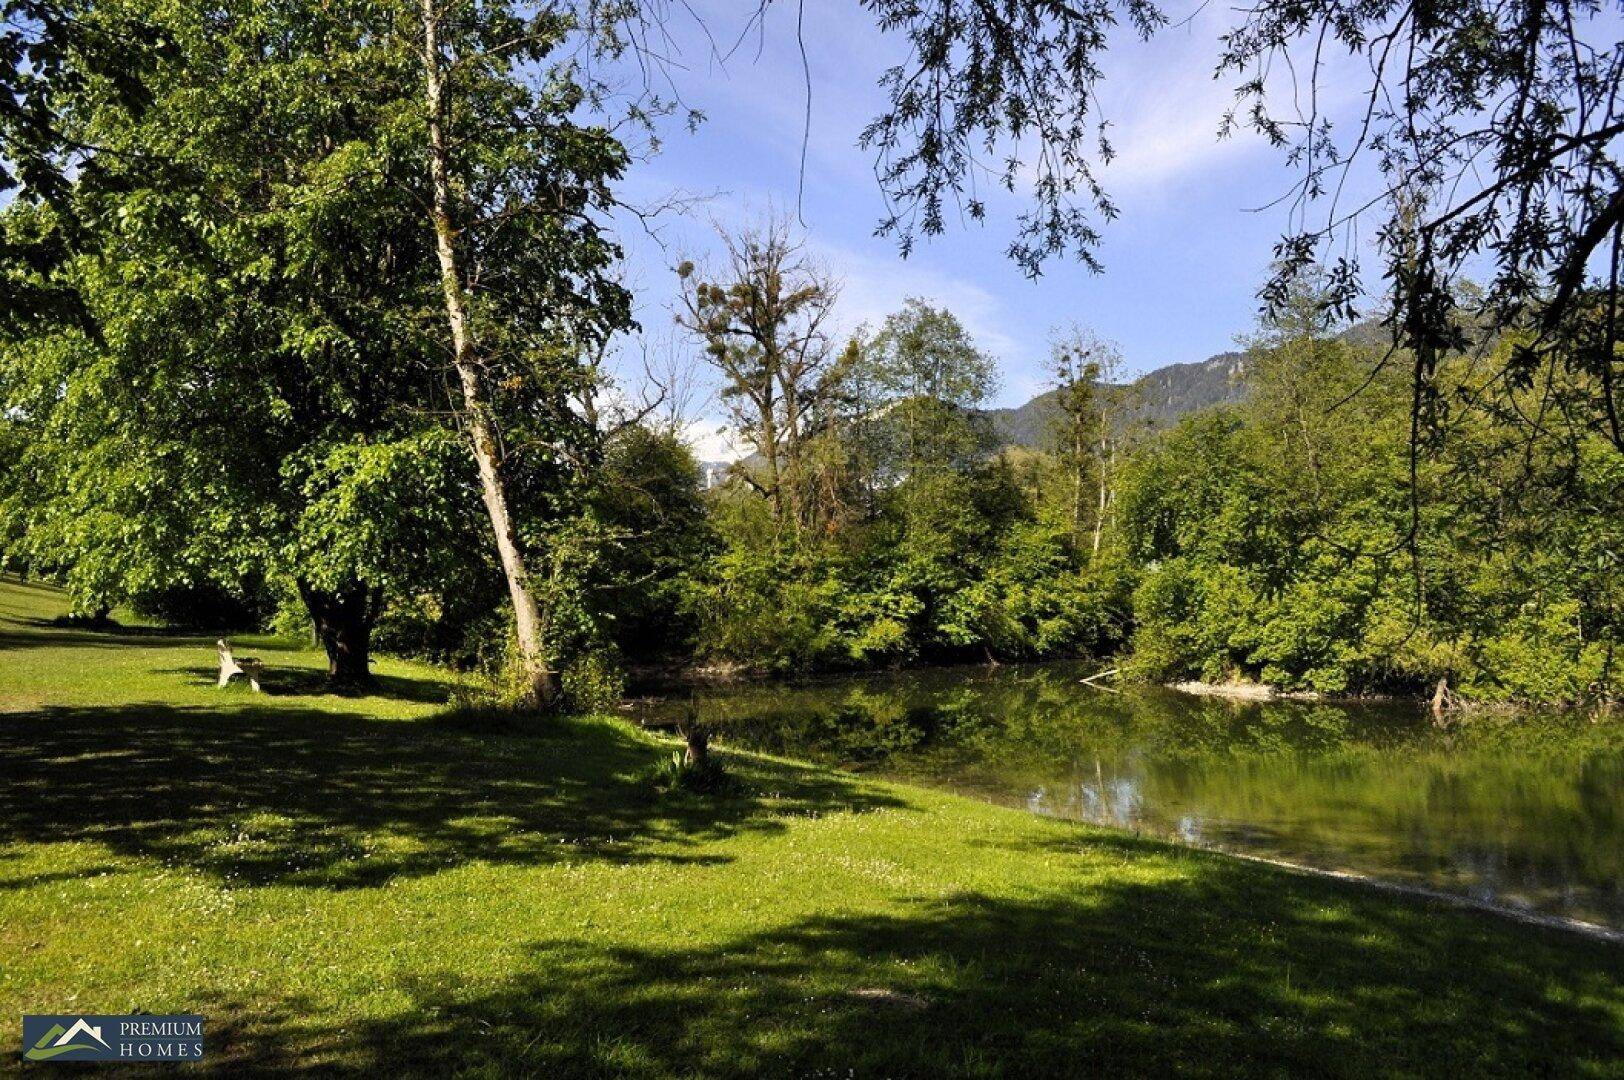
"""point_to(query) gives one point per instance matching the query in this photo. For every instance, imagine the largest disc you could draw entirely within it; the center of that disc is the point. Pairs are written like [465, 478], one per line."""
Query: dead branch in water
[1107, 673]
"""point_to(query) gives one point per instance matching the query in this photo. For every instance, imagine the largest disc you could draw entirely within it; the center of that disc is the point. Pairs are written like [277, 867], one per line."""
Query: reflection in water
[1525, 810]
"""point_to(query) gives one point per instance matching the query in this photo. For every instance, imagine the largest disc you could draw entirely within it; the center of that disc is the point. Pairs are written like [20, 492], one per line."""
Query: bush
[208, 605]
[593, 683]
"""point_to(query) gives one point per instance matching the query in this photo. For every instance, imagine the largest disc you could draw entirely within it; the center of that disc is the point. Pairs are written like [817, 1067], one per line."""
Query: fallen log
[1107, 673]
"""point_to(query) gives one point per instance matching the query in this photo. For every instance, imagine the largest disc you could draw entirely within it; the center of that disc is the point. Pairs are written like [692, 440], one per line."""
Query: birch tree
[1093, 411]
[515, 190]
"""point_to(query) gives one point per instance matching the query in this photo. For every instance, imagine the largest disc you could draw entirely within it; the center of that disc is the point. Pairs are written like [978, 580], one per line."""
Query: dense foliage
[1291, 539]
[232, 372]
[1288, 540]
[306, 307]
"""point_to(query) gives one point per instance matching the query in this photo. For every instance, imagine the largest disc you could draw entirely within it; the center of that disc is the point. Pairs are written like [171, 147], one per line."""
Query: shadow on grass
[48, 634]
[1225, 971]
[282, 680]
[283, 795]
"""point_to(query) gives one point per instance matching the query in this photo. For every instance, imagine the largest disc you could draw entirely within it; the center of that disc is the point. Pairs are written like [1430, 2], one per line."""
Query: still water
[1525, 811]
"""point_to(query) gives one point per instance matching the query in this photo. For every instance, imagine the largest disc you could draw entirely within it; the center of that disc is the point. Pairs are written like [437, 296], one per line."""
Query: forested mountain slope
[1163, 396]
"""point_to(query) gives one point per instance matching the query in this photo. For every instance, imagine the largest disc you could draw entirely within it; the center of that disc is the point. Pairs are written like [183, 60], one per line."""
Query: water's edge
[1503, 814]
[1594, 931]
[1534, 918]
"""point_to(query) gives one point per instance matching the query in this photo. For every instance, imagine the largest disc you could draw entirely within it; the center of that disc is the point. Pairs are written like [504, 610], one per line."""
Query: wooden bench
[230, 667]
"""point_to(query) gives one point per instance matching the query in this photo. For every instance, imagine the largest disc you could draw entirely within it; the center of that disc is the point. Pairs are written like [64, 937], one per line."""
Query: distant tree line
[1296, 538]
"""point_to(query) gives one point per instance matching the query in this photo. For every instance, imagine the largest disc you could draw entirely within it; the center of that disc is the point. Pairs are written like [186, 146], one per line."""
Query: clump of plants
[693, 769]
[674, 774]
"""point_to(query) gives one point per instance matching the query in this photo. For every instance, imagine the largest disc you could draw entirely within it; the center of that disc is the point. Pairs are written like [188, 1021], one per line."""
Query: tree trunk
[541, 681]
[1099, 512]
[1441, 698]
[343, 625]
[1106, 463]
[696, 745]
[1078, 457]
[769, 454]
[794, 475]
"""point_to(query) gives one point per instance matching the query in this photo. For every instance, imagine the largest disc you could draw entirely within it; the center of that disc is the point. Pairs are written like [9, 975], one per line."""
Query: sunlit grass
[46, 662]
[336, 888]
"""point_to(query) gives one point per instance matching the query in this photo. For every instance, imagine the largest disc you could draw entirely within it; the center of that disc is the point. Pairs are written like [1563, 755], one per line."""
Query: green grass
[47, 664]
[373, 884]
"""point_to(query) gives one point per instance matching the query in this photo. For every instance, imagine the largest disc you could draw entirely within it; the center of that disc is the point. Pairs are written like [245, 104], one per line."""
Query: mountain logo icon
[59, 1040]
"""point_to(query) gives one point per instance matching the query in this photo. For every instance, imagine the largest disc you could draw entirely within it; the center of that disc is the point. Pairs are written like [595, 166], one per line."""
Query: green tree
[647, 498]
[1304, 540]
[929, 376]
[240, 385]
[1089, 426]
[1273, 533]
[516, 189]
[763, 322]
[259, 296]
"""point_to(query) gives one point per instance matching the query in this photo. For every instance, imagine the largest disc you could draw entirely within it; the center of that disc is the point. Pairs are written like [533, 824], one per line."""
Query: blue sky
[1182, 263]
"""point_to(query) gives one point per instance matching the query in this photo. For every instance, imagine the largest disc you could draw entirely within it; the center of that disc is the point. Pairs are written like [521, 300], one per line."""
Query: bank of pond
[1520, 810]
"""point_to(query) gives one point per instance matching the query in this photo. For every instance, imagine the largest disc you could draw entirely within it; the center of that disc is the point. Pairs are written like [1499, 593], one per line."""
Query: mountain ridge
[1161, 397]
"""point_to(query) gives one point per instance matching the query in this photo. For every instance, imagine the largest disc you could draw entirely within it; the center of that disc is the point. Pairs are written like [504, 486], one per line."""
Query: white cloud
[1165, 107]
[710, 440]
[873, 285]
[1170, 132]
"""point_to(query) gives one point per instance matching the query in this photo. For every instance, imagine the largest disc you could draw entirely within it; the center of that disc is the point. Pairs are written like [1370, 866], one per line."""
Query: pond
[1521, 810]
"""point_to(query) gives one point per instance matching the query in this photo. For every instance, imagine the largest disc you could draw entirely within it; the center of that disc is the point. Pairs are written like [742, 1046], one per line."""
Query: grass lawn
[375, 885]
